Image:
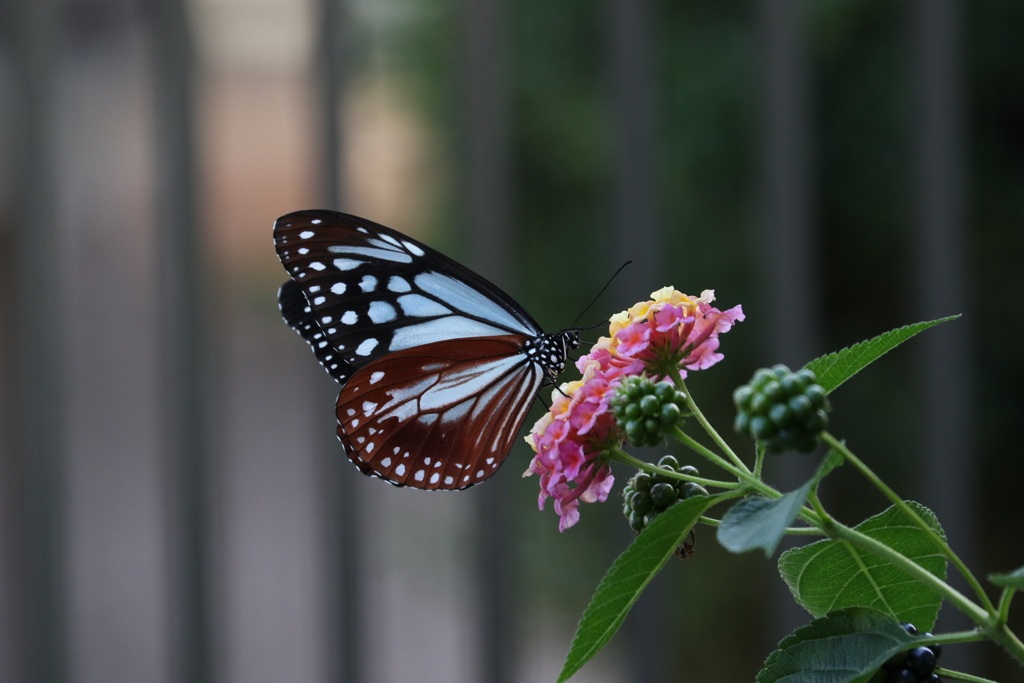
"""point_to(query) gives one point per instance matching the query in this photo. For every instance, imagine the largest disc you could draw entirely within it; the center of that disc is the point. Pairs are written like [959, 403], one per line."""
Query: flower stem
[1004, 604]
[678, 380]
[759, 462]
[622, 456]
[960, 676]
[744, 475]
[910, 513]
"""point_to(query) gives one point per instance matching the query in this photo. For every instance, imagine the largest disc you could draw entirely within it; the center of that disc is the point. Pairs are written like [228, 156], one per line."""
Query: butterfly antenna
[607, 284]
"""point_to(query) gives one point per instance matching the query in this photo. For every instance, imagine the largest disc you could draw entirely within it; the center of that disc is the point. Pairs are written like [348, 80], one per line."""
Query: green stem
[759, 463]
[1004, 604]
[909, 512]
[743, 475]
[960, 676]
[622, 456]
[678, 380]
[972, 636]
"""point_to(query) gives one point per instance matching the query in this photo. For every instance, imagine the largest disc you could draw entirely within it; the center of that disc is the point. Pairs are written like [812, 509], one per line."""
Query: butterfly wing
[299, 316]
[373, 291]
[438, 416]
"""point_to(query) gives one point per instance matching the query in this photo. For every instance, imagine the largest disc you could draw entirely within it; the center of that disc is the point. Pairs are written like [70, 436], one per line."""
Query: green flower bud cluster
[646, 495]
[644, 409]
[784, 410]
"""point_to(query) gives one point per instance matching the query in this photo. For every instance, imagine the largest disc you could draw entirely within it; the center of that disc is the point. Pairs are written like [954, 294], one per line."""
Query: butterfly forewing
[438, 416]
[299, 316]
[374, 291]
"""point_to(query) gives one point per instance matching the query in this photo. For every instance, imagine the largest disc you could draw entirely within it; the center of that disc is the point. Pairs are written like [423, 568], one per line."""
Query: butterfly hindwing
[374, 291]
[438, 416]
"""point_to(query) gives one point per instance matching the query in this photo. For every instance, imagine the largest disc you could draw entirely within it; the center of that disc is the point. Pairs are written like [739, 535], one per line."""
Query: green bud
[781, 415]
[741, 397]
[761, 377]
[633, 411]
[670, 414]
[664, 391]
[650, 405]
[761, 427]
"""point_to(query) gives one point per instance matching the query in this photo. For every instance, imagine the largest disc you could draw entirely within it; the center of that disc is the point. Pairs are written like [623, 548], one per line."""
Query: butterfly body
[438, 366]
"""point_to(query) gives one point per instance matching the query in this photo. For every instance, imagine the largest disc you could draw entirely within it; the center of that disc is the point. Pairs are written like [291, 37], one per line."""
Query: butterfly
[438, 366]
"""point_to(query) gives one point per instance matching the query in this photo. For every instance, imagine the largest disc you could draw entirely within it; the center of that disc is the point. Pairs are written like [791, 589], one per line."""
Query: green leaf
[628, 577]
[1014, 579]
[759, 522]
[830, 575]
[841, 647]
[835, 368]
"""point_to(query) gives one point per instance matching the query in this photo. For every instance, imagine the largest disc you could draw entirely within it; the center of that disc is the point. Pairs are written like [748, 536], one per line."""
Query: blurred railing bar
[487, 177]
[345, 619]
[789, 243]
[634, 236]
[184, 307]
[39, 427]
[948, 481]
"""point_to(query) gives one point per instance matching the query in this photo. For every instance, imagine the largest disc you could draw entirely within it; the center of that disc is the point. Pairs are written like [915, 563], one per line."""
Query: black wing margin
[297, 313]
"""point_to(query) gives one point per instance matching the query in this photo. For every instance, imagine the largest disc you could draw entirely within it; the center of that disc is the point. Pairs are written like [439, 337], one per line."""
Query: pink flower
[573, 439]
[673, 329]
[570, 441]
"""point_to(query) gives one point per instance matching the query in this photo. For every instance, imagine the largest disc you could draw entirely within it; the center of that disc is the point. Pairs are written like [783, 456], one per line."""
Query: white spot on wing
[413, 248]
[315, 221]
[368, 283]
[434, 477]
[383, 254]
[349, 318]
[316, 265]
[453, 327]
[382, 312]
[386, 462]
[368, 407]
[463, 297]
[399, 284]
[448, 481]
[306, 234]
[473, 380]
[366, 347]
[400, 470]
[319, 300]
[347, 263]
[420, 306]
[338, 288]
[376, 377]
[419, 475]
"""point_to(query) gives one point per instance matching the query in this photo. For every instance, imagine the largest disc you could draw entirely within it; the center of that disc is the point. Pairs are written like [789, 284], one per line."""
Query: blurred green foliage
[707, 77]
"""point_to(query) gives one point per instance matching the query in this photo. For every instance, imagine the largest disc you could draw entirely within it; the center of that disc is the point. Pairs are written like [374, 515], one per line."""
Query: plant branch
[678, 380]
[910, 513]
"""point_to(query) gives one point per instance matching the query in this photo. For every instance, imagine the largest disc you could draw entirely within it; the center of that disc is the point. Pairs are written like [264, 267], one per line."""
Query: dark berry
[636, 521]
[632, 411]
[642, 502]
[921, 661]
[642, 482]
[663, 495]
[902, 676]
[897, 661]
[691, 489]
[669, 462]
[909, 628]
[650, 517]
[792, 385]
[800, 406]
[773, 390]
[688, 470]
[761, 427]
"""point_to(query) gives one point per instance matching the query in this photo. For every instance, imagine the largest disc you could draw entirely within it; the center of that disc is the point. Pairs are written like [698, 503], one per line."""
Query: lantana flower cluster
[574, 439]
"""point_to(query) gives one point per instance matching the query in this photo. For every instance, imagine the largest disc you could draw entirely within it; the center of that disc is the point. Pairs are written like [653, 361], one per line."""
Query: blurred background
[174, 506]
